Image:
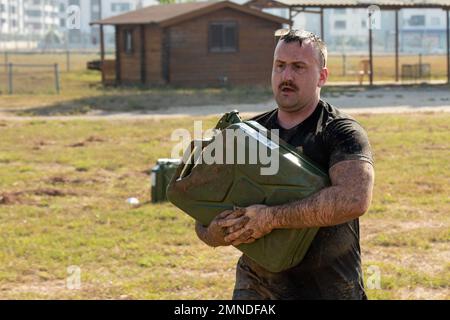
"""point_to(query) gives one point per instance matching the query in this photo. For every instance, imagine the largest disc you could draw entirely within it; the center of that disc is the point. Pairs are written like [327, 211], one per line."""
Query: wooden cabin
[193, 44]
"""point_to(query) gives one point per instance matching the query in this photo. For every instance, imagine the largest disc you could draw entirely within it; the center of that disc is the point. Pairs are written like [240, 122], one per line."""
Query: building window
[340, 11]
[128, 41]
[417, 20]
[435, 21]
[120, 7]
[340, 24]
[33, 13]
[364, 24]
[223, 37]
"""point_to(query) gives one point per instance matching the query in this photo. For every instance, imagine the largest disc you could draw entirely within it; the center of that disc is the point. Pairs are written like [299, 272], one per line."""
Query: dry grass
[64, 184]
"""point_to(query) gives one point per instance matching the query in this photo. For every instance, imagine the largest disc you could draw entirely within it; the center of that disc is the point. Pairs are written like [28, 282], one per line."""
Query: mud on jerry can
[203, 190]
[160, 177]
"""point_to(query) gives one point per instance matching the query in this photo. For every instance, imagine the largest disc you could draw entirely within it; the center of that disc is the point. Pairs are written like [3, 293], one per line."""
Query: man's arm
[347, 198]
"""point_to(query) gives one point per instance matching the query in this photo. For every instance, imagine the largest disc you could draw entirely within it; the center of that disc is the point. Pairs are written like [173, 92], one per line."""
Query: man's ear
[323, 77]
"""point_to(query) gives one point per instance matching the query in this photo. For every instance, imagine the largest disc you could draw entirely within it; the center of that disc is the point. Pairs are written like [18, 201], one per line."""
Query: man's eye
[279, 67]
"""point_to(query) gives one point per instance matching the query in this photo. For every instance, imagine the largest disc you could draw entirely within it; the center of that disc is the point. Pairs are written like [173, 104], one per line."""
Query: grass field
[63, 192]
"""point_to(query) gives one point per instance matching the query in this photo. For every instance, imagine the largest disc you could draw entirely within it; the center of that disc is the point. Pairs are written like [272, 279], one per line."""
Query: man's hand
[214, 234]
[245, 225]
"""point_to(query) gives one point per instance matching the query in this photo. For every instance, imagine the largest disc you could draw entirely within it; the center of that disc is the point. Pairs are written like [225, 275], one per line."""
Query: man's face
[296, 75]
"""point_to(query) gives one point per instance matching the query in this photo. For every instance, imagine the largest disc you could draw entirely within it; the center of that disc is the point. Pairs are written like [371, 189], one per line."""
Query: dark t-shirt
[331, 268]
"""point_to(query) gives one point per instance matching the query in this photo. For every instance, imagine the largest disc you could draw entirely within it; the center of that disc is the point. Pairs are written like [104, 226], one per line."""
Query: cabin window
[128, 41]
[223, 37]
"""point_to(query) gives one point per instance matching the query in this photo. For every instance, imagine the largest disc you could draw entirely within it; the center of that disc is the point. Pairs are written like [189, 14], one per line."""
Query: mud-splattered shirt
[331, 268]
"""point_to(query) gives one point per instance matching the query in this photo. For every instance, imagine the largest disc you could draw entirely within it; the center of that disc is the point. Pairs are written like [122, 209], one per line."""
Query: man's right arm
[214, 235]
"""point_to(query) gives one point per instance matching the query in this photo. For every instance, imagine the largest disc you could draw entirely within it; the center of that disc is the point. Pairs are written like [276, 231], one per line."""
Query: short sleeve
[346, 139]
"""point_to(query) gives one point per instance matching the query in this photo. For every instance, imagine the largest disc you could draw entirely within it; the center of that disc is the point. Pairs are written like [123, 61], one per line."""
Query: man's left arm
[348, 197]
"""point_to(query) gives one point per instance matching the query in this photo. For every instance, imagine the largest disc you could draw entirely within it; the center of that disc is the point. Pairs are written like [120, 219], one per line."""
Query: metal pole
[56, 78]
[344, 64]
[420, 66]
[68, 60]
[448, 47]
[6, 61]
[396, 46]
[290, 18]
[102, 53]
[10, 78]
[370, 52]
[322, 35]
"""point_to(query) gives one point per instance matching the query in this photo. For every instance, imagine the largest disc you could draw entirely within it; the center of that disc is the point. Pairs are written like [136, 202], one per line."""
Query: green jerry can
[204, 189]
[160, 177]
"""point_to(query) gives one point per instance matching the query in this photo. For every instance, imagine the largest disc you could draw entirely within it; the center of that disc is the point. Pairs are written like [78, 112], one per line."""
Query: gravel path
[376, 100]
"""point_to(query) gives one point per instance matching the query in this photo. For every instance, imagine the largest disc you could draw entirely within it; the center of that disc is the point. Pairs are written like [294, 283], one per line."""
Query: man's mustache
[288, 85]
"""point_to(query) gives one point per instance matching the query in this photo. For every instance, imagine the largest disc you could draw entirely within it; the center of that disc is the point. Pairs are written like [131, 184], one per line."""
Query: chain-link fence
[37, 72]
[29, 78]
[412, 68]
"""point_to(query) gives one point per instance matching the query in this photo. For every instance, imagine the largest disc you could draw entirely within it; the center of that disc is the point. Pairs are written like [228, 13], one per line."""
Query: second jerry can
[160, 177]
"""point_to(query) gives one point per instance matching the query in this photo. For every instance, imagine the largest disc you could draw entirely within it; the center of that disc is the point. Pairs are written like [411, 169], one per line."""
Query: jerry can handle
[190, 158]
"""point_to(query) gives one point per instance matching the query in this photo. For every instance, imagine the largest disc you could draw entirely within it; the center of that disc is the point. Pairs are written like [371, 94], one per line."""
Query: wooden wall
[129, 64]
[192, 65]
[179, 54]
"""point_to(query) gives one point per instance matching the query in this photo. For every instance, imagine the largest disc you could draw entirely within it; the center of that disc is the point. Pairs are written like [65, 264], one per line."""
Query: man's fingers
[242, 233]
[224, 214]
[238, 225]
[231, 214]
[238, 242]
[234, 223]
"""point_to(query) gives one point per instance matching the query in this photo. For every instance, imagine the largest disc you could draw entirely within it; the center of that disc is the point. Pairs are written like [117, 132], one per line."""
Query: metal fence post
[68, 60]
[6, 61]
[56, 78]
[344, 65]
[10, 78]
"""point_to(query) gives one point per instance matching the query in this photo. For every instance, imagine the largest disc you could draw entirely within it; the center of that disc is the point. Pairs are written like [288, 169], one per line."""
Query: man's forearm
[330, 206]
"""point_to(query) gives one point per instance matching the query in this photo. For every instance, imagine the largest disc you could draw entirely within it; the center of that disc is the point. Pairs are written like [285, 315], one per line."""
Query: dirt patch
[420, 293]
[38, 145]
[50, 192]
[85, 142]
[77, 145]
[19, 197]
[10, 198]
[64, 180]
[95, 139]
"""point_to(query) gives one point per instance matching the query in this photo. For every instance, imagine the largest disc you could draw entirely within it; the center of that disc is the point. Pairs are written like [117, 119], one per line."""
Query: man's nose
[287, 74]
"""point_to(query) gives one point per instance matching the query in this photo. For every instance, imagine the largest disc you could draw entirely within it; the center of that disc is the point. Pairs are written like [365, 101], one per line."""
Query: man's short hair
[291, 35]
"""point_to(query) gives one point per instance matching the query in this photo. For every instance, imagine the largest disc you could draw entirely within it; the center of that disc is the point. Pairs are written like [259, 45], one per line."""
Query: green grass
[81, 92]
[64, 186]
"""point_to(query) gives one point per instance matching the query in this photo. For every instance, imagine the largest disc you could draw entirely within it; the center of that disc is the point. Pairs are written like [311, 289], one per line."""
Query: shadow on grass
[144, 100]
